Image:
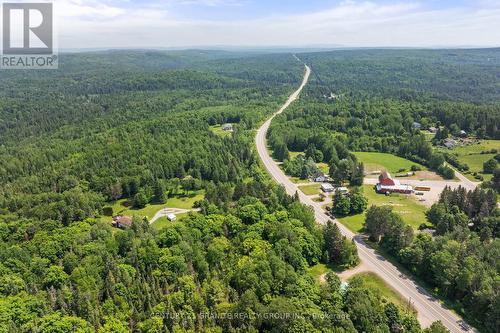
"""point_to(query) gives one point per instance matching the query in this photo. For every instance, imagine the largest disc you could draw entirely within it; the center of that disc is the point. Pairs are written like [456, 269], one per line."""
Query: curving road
[429, 309]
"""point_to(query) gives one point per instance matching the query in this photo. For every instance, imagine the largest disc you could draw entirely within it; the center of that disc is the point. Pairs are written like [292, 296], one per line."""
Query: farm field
[410, 210]
[384, 161]
[471, 155]
[374, 161]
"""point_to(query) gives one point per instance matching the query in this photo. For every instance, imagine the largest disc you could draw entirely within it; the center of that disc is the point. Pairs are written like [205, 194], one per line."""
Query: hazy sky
[179, 23]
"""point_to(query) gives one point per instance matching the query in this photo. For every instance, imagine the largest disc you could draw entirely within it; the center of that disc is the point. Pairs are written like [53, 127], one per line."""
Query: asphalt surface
[429, 309]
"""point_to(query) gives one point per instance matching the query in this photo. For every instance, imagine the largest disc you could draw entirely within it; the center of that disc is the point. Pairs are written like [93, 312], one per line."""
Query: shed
[342, 190]
[227, 127]
[122, 221]
[327, 187]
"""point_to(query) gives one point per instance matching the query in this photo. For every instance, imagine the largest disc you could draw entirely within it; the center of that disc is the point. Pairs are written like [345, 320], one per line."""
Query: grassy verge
[383, 290]
[297, 180]
[448, 303]
[310, 189]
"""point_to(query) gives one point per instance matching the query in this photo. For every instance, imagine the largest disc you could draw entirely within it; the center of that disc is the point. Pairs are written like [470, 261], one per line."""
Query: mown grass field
[122, 207]
[471, 155]
[163, 221]
[310, 189]
[383, 290]
[383, 161]
[294, 154]
[410, 210]
[217, 129]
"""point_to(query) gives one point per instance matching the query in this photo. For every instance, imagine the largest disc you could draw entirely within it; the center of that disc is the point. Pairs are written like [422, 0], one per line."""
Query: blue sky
[252, 9]
[191, 23]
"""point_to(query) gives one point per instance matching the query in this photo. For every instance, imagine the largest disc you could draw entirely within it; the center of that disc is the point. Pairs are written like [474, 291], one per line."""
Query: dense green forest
[137, 125]
[370, 101]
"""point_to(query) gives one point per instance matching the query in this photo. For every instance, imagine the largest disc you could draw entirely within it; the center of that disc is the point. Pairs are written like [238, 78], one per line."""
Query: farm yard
[407, 206]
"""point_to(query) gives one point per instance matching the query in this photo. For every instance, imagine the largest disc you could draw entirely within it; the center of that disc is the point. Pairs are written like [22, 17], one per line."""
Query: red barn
[388, 185]
[385, 179]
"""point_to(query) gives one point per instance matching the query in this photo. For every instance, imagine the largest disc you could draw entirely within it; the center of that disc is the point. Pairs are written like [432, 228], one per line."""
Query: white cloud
[87, 9]
[351, 23]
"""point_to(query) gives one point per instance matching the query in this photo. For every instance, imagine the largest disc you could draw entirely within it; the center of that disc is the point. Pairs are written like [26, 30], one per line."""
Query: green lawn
[428, 135]
[310, 189]
[217, 129]
[471, 154]
[383, 161]
[122, 207]
[294, 154]
[354, 222]
[410, 210]
[319, 269]
[383, 290]
[163, 221]
[298, 180]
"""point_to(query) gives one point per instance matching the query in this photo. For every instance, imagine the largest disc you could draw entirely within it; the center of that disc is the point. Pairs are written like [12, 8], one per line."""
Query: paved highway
[429, 309]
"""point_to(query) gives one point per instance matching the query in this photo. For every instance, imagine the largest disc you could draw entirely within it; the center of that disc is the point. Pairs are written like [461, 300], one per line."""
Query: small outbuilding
[227, 127]
[449, 143]
[327, 187]
[171, 217]
[342, 190]
[122, 222]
